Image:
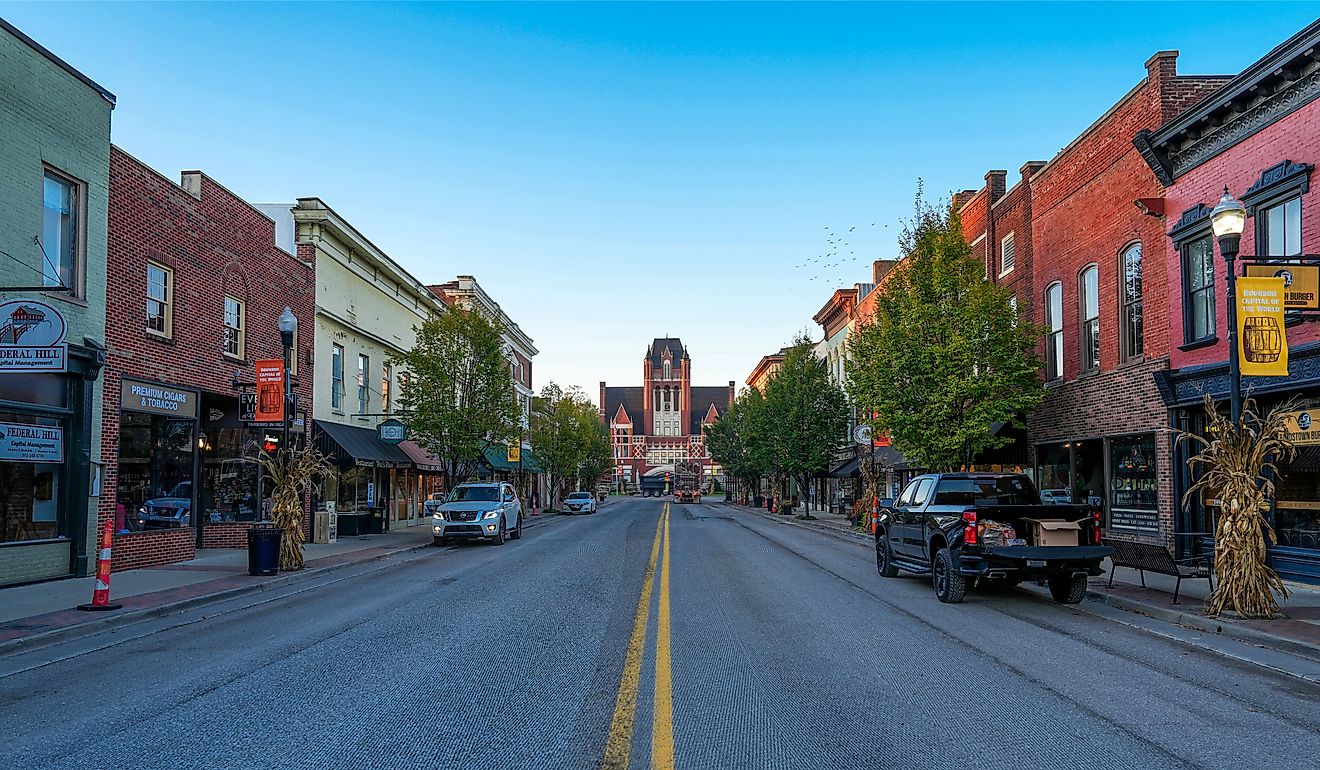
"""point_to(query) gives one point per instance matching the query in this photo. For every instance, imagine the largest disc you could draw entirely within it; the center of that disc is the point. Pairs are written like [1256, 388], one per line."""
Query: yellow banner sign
[1303, 426]
[1262, 344]
[1301, 283]
[515, 453]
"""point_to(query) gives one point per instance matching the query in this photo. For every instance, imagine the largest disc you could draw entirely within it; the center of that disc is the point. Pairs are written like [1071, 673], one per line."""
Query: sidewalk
[1298, 633]
[45, 611]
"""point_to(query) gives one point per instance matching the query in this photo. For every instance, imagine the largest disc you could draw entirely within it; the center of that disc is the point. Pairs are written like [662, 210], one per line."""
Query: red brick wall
[225, 534]
[216, 244]
[134, 550]
[1296, 138]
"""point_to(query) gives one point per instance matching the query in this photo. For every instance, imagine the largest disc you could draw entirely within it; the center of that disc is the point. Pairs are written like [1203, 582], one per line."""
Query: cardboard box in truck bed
[1049, 532]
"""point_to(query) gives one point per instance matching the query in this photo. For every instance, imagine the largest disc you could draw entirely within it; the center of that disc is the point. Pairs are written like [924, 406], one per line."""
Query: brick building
[54, 159]
[1100, 290]
[198, 285]
[1259, 136]
[660, 422]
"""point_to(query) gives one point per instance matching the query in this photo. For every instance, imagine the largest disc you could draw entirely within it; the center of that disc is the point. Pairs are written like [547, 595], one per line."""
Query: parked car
[168, 512]
[579, 502]
[969, 527]
[484, 511]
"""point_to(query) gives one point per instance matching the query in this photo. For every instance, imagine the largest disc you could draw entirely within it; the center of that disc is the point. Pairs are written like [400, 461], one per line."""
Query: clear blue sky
[613, 173]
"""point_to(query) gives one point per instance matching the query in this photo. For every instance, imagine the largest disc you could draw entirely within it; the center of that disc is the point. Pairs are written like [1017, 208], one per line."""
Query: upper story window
[1007, 255]
[336, 376]
[1131, 318]
[363, 373]
[386, 375]
[1275, 200]
[62, 242]
[160, 300]
[1054, 331]
[1088, 306]
[234, 328]
[1198, 258]
[1280, 229]
[666, 370]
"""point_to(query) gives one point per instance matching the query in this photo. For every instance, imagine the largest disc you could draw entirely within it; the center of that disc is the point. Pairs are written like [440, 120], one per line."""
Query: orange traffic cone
[101, 596]
[875, 514]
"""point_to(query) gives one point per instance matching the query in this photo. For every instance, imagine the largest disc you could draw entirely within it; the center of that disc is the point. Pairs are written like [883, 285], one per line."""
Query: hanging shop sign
[1301, 283]
[515, 452]
[1303, 426]
[270, 391]
[391, 431]
[137, 396]
[31, 443]
[32, 337]
[1262, 341]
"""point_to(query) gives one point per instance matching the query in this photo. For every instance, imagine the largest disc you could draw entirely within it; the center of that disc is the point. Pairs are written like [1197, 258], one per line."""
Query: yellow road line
[618, 747]
[662, 725]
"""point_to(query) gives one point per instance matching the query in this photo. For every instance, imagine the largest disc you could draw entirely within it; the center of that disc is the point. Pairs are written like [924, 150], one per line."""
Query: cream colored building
[367, 310]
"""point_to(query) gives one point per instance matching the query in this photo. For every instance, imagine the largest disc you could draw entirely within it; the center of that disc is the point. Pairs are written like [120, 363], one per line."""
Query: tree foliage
[459, 399]
[945, 356]
[569, 438]
[790, 431]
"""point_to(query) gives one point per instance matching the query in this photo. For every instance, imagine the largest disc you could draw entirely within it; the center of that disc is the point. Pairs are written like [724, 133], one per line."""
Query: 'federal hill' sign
[32, 337]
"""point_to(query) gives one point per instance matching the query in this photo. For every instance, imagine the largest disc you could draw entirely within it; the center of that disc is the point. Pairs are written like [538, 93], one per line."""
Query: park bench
[1146, 557]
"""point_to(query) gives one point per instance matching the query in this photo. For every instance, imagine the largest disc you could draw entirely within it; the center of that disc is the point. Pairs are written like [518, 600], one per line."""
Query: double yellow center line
[618, 747]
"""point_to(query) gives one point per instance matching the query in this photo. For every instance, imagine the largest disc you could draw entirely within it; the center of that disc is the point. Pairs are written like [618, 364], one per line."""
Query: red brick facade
[217, 246]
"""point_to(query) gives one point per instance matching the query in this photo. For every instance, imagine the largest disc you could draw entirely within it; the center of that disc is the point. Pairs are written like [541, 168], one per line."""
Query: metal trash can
[264, 549]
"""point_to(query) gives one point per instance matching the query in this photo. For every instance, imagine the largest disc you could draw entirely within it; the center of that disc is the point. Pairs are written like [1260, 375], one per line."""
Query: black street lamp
[288, 327]
[1227, 220]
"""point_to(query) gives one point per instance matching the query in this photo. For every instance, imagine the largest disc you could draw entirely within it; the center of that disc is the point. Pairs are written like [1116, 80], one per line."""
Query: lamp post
[1228, 219]
[288, 323]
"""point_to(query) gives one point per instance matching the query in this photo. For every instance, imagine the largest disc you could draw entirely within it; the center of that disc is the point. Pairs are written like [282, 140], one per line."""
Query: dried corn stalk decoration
[293, 473]
[1236, 467]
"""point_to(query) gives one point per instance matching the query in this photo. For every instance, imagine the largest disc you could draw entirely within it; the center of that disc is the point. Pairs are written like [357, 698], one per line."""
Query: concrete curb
[1198, 622]
[95, 625]
[857, 538]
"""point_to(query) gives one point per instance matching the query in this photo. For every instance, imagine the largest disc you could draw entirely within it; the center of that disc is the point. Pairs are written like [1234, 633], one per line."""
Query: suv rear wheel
[950, 587]
[1068, 590]
[884, 557]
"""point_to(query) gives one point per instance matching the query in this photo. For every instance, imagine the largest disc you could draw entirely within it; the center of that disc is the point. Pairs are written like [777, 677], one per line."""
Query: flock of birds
[839, 253]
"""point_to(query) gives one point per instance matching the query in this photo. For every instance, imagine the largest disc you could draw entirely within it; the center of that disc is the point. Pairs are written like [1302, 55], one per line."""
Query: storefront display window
[1297, 506]
[1134, 485]
[1054, 473]
[355, 487]
[31, 469]
[155, 488]
[230, 483]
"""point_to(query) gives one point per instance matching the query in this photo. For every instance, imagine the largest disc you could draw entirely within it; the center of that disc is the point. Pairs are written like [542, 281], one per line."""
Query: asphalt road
[760, 646]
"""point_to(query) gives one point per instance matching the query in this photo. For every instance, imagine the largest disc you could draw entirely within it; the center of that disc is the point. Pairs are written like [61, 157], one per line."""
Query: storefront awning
[497, 457]
[422, 460]
[348, 445]
[846, 469]
[531, 463]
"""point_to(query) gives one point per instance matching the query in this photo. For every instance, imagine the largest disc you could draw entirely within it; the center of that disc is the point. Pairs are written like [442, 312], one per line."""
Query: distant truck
[687, 482]
[653, 486]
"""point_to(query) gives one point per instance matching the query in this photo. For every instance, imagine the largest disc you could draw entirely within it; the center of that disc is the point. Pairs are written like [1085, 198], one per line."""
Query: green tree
[567, 434]
[598, 459]
[945, 356]
[460, 398]
[805, 417]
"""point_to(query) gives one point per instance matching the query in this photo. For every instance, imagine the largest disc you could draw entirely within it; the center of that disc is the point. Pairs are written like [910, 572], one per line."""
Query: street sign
[270, 391]
[32, 337]
[1301, 283]
[391, 431]
[1264, 342]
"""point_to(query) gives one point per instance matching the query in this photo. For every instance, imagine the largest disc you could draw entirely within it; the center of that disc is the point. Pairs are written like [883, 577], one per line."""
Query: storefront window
[230, 483]
[31, 470]
[354, 487]
[1297, 506]
[1134, 485]
[155, 487]
[1055, 477]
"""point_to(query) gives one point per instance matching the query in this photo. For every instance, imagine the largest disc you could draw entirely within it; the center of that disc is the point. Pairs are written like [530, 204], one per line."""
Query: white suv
[488, 511]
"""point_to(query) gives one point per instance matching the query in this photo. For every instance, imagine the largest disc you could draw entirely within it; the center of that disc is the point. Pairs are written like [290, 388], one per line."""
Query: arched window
[1088, 308]
[1054, 333]
[666, 370]
[1133, 338]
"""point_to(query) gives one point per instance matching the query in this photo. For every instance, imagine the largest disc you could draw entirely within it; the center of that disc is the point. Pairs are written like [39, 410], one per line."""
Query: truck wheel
[884, 557]
[950, 587]
[1068, 590]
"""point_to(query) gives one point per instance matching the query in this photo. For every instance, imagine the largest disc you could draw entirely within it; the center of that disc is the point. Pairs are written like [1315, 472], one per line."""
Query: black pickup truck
[968, 527]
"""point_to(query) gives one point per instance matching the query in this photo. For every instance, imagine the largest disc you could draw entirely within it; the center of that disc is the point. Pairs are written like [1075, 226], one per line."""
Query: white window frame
[1054, 333]
[363, 379]
[241, 328]
[386, 377]
[1088, 326]
[166, 303]
[337, 380]
[1010, 241]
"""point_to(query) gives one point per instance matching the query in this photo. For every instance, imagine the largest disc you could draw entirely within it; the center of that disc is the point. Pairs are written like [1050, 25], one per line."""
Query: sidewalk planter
[264, 550]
